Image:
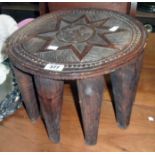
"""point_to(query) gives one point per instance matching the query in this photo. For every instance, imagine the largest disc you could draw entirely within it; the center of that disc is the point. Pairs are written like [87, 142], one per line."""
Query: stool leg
[50, 94]
[124, 86]
[26, 86]
[90, 94]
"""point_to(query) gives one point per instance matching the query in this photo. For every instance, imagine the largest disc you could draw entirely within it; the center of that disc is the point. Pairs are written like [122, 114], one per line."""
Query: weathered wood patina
[82, 45]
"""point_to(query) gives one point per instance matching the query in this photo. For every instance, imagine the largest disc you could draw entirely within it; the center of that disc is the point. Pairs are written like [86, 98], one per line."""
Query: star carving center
[81, 30]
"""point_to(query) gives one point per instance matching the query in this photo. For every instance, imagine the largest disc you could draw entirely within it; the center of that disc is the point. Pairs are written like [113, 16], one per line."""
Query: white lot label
[52, 47]
[114, 28]
[54, 67]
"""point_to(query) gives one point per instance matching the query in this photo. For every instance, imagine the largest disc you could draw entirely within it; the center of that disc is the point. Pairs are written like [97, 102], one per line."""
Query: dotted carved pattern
[81, 26]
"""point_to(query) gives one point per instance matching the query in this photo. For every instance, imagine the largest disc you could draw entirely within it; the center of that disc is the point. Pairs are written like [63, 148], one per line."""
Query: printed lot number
[54, 67]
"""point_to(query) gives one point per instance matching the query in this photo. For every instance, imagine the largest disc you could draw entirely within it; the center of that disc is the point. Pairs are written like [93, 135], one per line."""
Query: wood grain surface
[18, 133]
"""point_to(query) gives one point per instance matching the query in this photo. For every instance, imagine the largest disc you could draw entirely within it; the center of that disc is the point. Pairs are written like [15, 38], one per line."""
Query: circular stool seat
[81, 45]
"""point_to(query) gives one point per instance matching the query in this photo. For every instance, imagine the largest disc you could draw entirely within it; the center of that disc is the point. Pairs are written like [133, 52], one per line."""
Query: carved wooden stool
[81, 45]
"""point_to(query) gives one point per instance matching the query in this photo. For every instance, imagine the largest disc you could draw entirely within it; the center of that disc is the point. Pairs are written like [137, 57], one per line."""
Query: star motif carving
[81, 31]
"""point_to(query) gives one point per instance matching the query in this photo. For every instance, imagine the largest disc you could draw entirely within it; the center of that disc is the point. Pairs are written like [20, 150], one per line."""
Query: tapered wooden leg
[50, 94]
[90, 94]
[124, 86]
[26, 86]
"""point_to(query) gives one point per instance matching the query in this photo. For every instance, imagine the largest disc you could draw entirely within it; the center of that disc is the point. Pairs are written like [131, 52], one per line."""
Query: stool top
[77, 43]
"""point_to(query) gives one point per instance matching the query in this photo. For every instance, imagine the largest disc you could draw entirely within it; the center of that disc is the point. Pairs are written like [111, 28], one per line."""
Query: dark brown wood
[90, 99]
[25, 83]
[43, 8]
[140, 136]
[124, 86]
[124, 7]
[84, 44]
[19, 135]
[50, 93]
